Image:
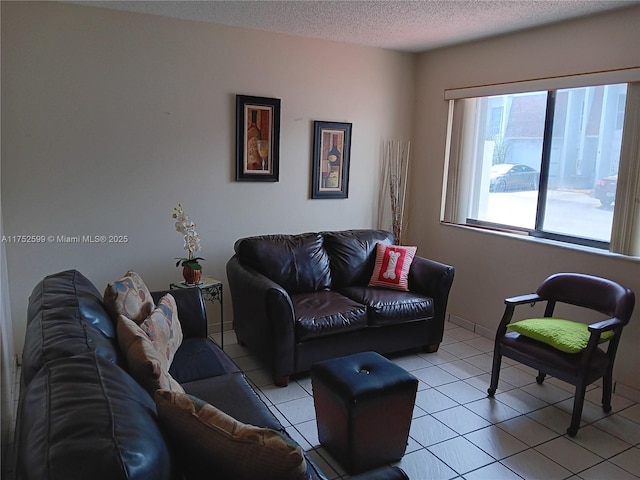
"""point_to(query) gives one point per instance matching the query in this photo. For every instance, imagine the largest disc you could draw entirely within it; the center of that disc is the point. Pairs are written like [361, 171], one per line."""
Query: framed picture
[257, 139]
[331, 152]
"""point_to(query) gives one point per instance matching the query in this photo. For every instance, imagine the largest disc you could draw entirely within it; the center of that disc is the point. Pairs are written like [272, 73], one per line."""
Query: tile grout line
[547, 402]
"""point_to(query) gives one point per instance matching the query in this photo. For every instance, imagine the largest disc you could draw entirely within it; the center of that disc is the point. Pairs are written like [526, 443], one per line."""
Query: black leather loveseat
[82, 416]
[300, 299]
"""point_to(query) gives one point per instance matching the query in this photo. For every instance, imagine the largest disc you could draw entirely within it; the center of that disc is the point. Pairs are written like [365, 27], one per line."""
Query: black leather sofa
[82, 416]
[294, 298]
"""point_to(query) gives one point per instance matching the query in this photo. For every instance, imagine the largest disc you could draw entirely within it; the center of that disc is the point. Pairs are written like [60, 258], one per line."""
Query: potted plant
[191, 268]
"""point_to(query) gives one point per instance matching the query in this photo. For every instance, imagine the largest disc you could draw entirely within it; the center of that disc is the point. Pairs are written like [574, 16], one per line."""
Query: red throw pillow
[392, 266]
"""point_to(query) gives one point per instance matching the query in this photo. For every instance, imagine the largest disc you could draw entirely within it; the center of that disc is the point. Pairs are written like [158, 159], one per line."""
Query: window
[545, 163]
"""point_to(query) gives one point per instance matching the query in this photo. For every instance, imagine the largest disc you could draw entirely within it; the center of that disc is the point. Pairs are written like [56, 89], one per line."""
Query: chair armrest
[191, 310]
[596, 330]
[605, 325]
[523, 299]
[250, 292]
[263, 315]
[510, 305]
[433, 279]
[430, 277]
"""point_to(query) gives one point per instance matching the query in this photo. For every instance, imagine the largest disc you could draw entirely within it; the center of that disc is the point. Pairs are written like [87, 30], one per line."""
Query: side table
[211, 291]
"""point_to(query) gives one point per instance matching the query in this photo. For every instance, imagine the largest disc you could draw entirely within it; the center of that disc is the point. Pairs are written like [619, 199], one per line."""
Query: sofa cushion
[196, 358]
[212, 441]
[233, 395]
[326, 313]
[392, 265]
[388, 307]
[148, 366]
[163, 327]
[65, 318]
[84, 417]
[298, 263]
[352, 254]
[565, 335]
[130, 297]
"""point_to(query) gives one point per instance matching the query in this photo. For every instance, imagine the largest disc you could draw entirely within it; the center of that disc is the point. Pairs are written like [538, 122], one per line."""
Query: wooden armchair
[580, 361]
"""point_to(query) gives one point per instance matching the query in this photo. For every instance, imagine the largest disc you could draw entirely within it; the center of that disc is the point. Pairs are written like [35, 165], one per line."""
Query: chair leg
[495, 372]
[576, 415]
[540, 378]
[606, 392]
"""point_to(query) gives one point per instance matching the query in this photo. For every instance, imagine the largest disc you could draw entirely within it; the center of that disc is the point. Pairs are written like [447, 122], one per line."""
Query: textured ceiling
[395, 24]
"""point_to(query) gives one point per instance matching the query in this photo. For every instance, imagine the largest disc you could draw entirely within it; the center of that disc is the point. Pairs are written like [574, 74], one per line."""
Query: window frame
[625, 230]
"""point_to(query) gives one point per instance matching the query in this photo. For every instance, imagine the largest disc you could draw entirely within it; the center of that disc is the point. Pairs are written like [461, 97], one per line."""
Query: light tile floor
[459, 433]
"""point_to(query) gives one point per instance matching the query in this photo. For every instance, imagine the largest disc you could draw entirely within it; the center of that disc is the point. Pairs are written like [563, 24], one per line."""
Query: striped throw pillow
[392, 266]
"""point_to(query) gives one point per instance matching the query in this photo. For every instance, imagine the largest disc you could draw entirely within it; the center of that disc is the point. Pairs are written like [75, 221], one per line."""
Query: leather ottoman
[364, 405]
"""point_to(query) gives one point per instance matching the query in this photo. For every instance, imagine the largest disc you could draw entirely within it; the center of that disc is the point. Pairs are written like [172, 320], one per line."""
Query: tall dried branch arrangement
[395, 175]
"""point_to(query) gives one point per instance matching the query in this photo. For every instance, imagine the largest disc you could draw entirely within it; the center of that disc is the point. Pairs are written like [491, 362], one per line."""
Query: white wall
[491, 267]
[109, 119]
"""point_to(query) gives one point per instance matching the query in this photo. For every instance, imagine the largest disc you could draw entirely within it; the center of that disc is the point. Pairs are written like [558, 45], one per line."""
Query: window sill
[542, 241]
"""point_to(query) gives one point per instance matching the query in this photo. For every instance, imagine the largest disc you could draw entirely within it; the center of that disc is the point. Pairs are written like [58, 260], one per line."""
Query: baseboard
[474, 327]
[618, 388]
[626, 391]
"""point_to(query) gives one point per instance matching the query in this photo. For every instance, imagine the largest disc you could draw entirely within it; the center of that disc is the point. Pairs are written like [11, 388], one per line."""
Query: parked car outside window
[605, 190]
[509, 177]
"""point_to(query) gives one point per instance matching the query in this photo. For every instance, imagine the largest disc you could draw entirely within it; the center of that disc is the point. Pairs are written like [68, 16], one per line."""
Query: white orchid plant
[191, 239]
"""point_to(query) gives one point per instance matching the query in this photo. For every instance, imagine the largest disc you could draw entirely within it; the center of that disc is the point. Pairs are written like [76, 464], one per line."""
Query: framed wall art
[331, 153]
[257, 139]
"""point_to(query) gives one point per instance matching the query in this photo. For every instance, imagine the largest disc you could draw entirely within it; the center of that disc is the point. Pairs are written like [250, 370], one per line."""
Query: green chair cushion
[564, 335]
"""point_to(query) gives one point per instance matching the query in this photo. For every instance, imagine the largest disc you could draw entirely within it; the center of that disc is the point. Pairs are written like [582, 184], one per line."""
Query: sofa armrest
[263, 317]
[191, 310]
[433, 279]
